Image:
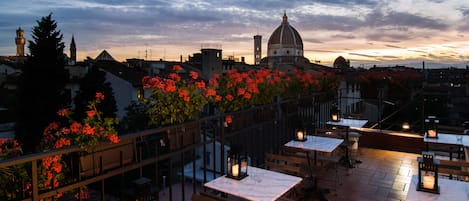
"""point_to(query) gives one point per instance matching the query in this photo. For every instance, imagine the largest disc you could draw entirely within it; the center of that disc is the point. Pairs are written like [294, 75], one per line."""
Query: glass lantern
[237, 167]
[428, 173]
[300, 135]
[335, 114]
[431, 127]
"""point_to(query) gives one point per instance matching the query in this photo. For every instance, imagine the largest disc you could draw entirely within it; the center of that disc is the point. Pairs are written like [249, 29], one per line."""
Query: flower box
[183, 136]
[110, 155]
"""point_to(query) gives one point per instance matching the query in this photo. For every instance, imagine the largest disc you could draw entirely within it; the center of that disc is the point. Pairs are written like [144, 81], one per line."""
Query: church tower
[73, 51]
[257, 49]
[20, 41]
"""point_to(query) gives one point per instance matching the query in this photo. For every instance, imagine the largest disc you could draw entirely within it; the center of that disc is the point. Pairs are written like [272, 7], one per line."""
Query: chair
[292, 165]
[340, 132]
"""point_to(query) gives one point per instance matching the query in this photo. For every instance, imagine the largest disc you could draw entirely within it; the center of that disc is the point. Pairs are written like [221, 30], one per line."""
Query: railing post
[34, 180]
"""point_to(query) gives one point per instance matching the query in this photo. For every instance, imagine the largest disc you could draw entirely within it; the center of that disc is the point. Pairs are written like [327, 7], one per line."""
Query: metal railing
[173, 154]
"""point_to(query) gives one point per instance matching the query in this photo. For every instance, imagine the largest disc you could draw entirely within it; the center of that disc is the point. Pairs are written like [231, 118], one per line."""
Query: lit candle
[432, 133]
[300, 135]
[335, 117]
[428, 182]
[235, 170]
[244, 167]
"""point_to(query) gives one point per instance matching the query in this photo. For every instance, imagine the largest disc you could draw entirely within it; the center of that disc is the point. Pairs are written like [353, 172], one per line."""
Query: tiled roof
[132, 75]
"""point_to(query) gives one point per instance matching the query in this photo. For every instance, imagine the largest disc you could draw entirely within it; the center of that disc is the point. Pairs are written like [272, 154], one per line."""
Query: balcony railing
[194, 151]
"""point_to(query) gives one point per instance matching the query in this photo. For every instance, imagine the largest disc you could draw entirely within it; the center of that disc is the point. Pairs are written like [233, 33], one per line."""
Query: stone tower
[211, 61]
[257, 49]
[20, 41]
[73, 51]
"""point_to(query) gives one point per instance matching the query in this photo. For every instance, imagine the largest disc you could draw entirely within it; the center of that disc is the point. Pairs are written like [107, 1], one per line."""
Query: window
[275, 52]
[140, 94]
[288, 51]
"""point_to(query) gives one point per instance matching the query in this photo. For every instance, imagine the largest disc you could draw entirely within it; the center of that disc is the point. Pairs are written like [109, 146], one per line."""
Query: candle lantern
[335, 114]
[428, 173]
[237, 167]
[431, 127]
[300, 135]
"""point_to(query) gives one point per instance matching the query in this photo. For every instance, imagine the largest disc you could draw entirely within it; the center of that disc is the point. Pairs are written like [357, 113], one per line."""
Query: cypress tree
[94, 81]
[41, 90]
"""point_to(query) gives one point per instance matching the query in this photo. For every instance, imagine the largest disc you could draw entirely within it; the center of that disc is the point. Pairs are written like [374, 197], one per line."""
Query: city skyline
[365, 32]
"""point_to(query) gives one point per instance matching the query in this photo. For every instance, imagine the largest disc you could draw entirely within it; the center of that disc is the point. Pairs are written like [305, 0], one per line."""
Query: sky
[366, 32]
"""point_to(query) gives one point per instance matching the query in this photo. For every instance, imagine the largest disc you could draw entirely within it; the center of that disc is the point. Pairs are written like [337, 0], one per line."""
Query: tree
[136, 118]
[41, 91]
[94, 81]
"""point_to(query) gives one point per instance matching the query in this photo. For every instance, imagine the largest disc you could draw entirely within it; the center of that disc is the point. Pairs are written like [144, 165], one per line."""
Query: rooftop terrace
[167, 155]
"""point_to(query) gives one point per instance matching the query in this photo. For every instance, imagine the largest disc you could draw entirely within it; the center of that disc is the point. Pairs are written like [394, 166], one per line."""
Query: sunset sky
[368, 32]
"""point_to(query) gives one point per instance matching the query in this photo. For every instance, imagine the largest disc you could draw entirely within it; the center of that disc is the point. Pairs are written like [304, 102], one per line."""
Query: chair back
[288, 164]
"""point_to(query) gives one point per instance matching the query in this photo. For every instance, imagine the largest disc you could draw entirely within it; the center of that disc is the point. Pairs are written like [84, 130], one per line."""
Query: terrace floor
[382, 176]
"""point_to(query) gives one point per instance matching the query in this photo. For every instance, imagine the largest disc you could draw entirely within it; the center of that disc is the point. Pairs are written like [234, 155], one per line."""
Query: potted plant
[176, 100]
[12, 177]
[88, 133]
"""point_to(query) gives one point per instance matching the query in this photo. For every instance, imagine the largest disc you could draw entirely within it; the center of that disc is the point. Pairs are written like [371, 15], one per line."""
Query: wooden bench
[447, 149]
[453, 167]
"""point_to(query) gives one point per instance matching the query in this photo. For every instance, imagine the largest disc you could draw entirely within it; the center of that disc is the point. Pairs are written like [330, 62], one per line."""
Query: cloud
[389, 36]
[344, 36]
[185, 24]
[417, 51]
[312, 40]
[393, 46]
[318, 50]
[363, 55]
[400, 19]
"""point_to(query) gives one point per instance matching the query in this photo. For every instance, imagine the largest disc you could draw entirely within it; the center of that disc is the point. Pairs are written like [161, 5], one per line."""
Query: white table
[260, 185]
[357, 123]
[450, 190]
[351, 136]
[452, 139]
[449, 139]
[316, 143]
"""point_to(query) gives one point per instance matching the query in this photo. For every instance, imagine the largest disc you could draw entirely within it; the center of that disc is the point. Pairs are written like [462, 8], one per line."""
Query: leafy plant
[173, 99]
[11, 177]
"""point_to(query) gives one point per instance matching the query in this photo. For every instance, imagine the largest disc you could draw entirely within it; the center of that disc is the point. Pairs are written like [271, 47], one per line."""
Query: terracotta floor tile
[383, 175]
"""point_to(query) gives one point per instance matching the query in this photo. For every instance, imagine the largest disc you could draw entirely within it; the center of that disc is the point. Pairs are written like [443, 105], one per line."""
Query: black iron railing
[194, 151]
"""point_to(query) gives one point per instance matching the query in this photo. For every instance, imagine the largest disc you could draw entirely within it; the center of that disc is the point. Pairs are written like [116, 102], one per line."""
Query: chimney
[242, 59]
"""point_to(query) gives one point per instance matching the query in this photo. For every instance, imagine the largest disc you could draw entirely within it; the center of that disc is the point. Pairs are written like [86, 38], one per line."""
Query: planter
[106, 157]
[186, 134]
[264, 114]
[242, 120]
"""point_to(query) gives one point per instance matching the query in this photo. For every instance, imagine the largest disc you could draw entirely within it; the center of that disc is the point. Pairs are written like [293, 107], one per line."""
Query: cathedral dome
[340, 62]
[285, 41]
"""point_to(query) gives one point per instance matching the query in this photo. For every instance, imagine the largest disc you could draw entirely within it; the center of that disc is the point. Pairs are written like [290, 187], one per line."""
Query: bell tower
[257, 49]
[73, 51]
[20, 41]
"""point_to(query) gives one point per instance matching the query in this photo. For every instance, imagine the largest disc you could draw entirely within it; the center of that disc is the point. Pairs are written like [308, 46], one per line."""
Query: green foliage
[166, 108]
[174, 100]
[11, 177]
[136, 118]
